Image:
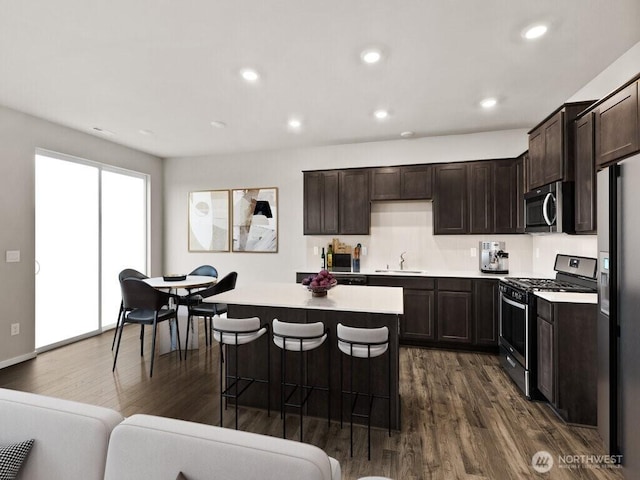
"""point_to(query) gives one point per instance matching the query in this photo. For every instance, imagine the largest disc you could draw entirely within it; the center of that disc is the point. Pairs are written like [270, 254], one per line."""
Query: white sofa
[79, 441]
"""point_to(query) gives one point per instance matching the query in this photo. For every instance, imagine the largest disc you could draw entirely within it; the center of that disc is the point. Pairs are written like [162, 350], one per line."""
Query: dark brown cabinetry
[450, 202]
[485, 312]
[521, 183]
[567, 363]
[551, 147]
[480, 178]
[336, 202]
[355, 208]
[617, 128]
[585, 176]
[417, 323]
[455, 314]
[321, 203]
[411, 182]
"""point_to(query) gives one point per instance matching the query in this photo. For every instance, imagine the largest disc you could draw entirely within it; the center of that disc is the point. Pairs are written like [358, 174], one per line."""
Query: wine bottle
[324, 265]
[330, 257]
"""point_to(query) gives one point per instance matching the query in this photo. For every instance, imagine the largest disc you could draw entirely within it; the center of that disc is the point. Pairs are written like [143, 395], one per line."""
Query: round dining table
[189, 283]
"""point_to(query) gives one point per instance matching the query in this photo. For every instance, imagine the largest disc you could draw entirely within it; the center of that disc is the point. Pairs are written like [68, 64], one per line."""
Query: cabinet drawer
[455, 284]
[416, 283]
[545, 310]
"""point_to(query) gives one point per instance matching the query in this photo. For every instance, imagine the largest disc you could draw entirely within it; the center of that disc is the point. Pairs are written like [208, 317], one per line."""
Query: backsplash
[407, 226]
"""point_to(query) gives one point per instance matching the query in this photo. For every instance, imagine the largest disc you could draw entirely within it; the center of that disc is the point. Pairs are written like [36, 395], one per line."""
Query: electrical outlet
[15, 329]
[315, 250]
[364, 251]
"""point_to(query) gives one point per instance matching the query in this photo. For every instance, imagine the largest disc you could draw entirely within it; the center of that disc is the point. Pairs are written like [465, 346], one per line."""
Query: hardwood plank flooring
[462, 418]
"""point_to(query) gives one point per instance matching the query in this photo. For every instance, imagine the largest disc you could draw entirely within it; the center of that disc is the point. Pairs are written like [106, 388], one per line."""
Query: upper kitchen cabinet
[450, 199]
[551, 147]
[507, 200]
[321, 197]
[336, 202]
[585, 175]
[355, 207]
[617, 128]
[410, 182]
[480, 178]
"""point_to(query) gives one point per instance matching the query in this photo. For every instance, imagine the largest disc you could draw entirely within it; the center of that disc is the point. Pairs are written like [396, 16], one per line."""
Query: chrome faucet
[402, 260]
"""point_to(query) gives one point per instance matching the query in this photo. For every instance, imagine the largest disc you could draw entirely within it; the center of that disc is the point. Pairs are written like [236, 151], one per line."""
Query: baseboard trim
[18, 359]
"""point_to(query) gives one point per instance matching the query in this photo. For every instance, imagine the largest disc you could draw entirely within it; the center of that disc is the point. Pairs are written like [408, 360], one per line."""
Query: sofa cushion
[12, 457]
[145, 446]
[71, 438]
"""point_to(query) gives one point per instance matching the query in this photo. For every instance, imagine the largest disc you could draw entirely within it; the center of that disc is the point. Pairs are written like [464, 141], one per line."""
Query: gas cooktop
[546, 285]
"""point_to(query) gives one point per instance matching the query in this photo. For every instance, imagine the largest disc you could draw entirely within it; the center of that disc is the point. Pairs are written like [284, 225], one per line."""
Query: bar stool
[365, 343]
[239, 331]
[299, 337]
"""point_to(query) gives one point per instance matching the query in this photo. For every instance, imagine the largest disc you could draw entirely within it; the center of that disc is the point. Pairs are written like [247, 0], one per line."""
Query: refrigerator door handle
[545, 209]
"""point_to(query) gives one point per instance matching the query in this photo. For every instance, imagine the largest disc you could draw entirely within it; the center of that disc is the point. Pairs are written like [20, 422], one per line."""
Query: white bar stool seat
[302, 338]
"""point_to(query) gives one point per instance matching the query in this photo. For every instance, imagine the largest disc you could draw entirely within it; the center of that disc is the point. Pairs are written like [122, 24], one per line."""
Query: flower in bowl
[319, 284]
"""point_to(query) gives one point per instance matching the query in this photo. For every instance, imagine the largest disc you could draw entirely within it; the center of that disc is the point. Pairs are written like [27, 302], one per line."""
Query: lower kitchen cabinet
[567, 359]
[455, 314]
[485, 312]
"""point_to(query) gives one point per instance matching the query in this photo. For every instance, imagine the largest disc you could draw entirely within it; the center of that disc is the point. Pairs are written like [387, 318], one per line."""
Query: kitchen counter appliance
[518, 335]
[493, 258]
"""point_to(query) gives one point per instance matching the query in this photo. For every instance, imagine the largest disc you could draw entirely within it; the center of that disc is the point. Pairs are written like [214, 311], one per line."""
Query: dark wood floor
[461, 415]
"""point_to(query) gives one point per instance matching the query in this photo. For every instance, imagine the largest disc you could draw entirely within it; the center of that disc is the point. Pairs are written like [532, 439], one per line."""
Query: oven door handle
[513, 304]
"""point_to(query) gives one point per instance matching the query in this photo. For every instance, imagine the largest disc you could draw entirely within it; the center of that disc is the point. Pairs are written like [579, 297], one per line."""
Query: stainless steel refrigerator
[619, 311]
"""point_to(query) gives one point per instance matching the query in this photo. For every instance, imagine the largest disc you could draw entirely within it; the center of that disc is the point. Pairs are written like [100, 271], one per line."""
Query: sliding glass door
[91, 222]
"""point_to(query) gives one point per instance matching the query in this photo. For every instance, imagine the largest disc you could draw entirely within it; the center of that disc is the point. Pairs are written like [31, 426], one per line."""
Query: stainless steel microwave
[550, 209]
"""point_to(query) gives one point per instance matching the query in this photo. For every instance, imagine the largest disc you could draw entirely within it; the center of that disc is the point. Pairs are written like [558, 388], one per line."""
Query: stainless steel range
[518, 342]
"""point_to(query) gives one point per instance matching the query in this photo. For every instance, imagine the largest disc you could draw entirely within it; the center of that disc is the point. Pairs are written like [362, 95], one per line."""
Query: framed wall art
[255, 220]
[209, 221]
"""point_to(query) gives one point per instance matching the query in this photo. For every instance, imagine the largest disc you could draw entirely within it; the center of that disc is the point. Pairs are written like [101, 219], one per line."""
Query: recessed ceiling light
[102, 131]
[381, 114]
[371, 56]
[294, 123]
[218, 124]
[249, 75]
[407, 134]
[535, 31]
[488, 103]
[144, 131]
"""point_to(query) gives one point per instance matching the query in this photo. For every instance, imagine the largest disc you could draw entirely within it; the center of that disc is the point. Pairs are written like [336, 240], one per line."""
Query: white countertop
[433, 273]
[568, 297]
[346, 298]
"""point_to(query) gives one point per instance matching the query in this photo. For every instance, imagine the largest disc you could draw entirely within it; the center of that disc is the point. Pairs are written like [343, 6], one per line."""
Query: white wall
[283, 169]
[20, 135]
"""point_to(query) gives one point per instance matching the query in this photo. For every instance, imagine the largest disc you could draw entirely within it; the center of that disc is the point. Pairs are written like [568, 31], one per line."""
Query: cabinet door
[485, 299]
[454, 317]
[450, 212]
[616, 126]
[506, 196]
[480, 177]
[385, 183]
[416, 182]
[553, 164]
[320, 203]
[355, 207]
[546, 360]
[585, 184]
[521, 182]
[535, 166]
[418, 320]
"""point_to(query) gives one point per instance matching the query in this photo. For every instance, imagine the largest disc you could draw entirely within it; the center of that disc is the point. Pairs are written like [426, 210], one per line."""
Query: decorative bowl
[174, 277]
[321, 291]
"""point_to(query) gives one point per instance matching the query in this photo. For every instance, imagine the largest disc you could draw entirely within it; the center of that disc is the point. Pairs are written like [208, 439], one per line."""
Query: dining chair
[126, 273]
[205, 271]
[198, 308]
[146, 306]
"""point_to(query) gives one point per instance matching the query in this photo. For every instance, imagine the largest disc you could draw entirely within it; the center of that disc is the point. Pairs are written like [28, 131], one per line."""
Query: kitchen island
[352, 305]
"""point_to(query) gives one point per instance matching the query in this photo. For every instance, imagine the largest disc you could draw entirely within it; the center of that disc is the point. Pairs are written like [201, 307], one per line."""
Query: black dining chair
[205, 271]
[198, 308]
[126, 273]
[146, 306]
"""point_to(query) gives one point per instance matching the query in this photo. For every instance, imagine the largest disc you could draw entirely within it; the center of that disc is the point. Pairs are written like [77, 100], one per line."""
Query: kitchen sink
[399, 271]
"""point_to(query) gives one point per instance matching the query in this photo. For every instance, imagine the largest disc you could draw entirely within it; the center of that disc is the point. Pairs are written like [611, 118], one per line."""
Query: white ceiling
[172, 67]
